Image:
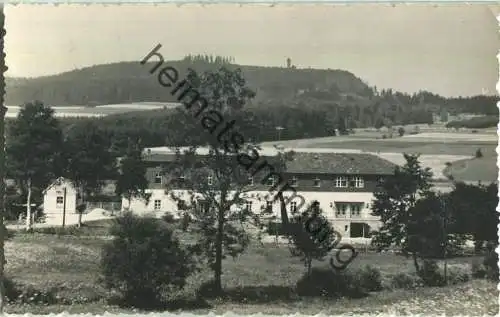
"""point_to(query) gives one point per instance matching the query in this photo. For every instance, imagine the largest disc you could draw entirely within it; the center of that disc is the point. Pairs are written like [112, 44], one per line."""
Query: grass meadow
[260, 280]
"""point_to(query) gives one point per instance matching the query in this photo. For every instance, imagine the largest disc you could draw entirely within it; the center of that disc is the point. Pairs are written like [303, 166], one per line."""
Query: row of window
[340, 181]
[341, 208]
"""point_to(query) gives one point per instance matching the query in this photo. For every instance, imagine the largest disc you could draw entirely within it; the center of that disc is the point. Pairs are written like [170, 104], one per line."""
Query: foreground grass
[258, 281]
[478, 297]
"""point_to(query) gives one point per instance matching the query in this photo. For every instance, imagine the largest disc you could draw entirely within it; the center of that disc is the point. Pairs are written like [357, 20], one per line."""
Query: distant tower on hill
[288, 62]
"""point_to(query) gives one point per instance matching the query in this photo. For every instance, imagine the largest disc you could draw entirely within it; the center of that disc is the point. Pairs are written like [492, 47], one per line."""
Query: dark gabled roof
[323, 163]
[340, 163]
[57, 182]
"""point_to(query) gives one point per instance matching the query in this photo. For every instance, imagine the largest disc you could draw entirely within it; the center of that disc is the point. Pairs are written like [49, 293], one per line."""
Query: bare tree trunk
[218, 252]
[28, 207]
[80, 208]
[415, 262]
[284, 214]
[3, 110]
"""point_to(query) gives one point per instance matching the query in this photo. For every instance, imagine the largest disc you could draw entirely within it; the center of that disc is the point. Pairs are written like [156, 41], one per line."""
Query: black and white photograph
[263, 159]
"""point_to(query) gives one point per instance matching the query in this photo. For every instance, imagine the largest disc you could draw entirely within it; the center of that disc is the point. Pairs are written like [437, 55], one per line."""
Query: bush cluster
[456, 276]
[406, 281]
[478, 270]
[370, 278]
[490, 263]
[330, 283]
[145, 262]
[17, 293]
[60, 231]
[430, 274]
[488, 268]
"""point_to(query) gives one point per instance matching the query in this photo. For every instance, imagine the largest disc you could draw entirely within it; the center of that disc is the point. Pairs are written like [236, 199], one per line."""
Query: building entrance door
[359, 230]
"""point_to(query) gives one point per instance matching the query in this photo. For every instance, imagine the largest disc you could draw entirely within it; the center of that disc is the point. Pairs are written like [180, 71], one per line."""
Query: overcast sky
[450, 50]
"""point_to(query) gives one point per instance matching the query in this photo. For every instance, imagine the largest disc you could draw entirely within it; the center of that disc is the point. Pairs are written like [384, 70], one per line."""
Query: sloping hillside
[131, 81]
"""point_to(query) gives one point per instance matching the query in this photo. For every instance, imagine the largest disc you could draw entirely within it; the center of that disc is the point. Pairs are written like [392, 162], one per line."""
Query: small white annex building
[59, 198]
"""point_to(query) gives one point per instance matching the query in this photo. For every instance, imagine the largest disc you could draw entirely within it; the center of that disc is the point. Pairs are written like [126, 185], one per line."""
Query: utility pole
[445, 236]
[64, 208]
[279, 129]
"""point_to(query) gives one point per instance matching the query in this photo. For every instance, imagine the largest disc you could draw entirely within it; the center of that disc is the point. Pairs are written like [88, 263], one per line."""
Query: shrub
[207, 290]
[27, 294]
[456, 276]
[490, 263]
[405, 281]
[430, 274]
[311, 235]
[370, 278]
[60, 231]
[478, 270]
[479, 154]
[328, 283]
[401, 131]
[168, 218]
[144, 262]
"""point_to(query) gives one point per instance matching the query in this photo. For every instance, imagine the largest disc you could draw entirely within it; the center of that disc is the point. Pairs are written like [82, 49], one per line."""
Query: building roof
[482, 169]
[57, 182]
[306, 161]
[340, 163]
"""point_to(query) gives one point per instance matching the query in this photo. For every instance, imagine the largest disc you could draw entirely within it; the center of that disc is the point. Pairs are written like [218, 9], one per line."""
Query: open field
[98, 111]
[436, 148]
[431, 143]
[261, 280]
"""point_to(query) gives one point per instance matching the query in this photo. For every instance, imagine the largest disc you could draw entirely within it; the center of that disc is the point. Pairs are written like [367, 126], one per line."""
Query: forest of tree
[258, 124]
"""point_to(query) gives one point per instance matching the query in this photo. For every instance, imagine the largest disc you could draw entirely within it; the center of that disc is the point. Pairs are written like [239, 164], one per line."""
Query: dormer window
[317, 182]
[358, 182]
[294, 182]
[341, 181]
[158, 178]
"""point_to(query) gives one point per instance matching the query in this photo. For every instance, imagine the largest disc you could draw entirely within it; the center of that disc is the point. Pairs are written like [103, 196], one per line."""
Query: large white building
[342, 183]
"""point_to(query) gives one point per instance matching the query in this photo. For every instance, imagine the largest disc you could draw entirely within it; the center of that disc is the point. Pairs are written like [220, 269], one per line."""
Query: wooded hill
[130, 81]
[126, 82]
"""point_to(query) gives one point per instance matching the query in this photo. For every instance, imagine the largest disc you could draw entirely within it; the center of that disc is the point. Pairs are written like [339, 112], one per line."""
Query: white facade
[60, 196]
[341, 208]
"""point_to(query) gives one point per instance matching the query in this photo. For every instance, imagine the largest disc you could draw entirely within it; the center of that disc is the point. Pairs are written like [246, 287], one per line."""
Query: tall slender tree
[89, 161]
[395, 205]
[132, 180]
[216, 182]
[34, 150]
